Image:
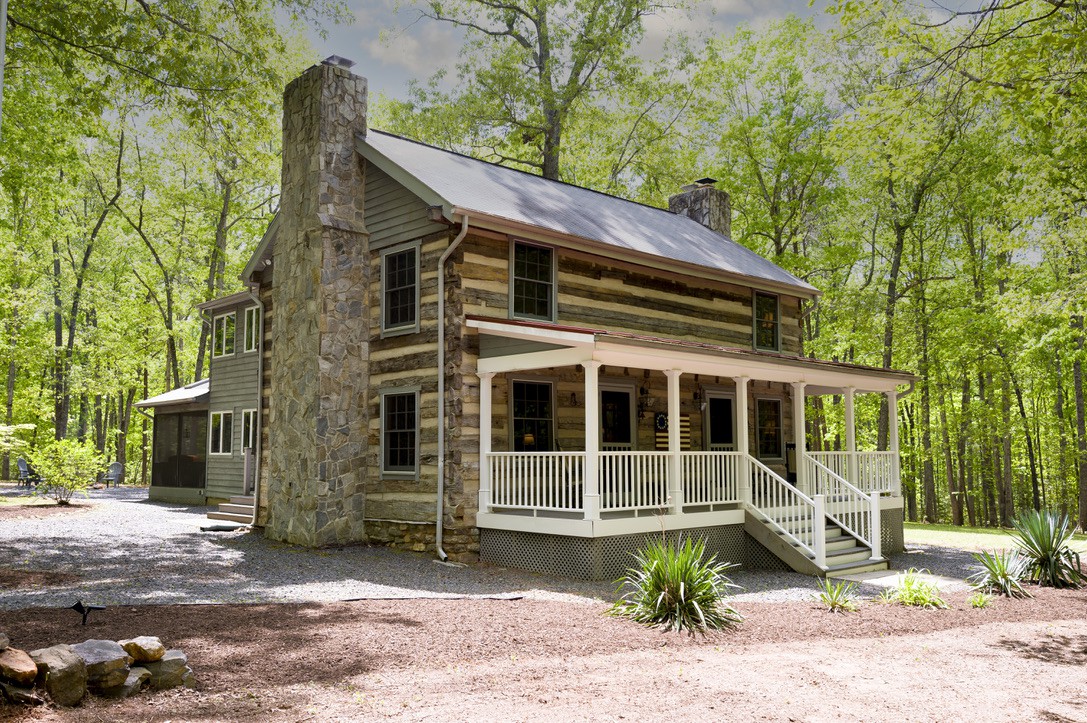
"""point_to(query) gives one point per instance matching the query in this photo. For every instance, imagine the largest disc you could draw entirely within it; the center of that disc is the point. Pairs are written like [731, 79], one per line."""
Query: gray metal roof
[454, 180]
[188, 394]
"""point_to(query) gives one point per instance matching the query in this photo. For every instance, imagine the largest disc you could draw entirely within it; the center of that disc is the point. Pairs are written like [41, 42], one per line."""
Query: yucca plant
[1001, 572]
[1043, 537]
[676, 588]
[915, 591]
[838, 597]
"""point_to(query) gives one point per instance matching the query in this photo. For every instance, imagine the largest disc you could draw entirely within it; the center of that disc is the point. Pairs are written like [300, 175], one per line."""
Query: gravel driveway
[122, 548]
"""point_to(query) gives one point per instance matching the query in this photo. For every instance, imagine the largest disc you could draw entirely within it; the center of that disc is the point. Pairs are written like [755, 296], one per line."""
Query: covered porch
[716, 438]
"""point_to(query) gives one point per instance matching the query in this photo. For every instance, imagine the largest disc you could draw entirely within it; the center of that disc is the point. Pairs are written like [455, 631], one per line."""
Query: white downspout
[440, 512]
[260, 399]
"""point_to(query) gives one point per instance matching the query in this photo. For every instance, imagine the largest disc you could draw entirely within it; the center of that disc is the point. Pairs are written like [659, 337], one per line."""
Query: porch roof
[189, 394]
[560, 345]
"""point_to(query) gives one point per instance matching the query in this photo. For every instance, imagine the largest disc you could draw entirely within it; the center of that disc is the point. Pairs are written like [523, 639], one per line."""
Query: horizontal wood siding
[393, 213]
[233, 389]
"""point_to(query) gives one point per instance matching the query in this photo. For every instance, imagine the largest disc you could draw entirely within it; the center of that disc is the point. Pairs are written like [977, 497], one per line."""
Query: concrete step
[237, 509]
[232, 516]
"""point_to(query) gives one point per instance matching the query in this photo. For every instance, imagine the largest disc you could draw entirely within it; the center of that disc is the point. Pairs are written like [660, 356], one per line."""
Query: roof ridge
[541, 178]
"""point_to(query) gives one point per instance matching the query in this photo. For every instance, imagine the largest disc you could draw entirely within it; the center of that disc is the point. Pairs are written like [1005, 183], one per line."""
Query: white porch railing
[550, 481]
[788, 510]
[710, 478]
[633, 480]
[875, 470]
[853, 510]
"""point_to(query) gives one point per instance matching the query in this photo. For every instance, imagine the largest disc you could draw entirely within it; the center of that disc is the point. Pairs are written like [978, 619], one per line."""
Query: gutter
[254, 286]
[440, 507]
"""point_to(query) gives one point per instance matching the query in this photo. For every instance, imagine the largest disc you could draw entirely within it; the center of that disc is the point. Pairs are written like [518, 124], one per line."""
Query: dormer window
[767, 319]
[532, 282]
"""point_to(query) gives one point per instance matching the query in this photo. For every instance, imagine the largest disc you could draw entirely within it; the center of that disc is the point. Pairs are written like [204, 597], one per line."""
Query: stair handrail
[800, 518]
[858, 513]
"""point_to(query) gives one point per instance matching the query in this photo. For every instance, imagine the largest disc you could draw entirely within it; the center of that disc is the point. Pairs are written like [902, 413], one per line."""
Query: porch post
[800, 437]
[675, 479]
[744, 486]
[892, 429]
[485, 440]
[592, 440]
[851, 437]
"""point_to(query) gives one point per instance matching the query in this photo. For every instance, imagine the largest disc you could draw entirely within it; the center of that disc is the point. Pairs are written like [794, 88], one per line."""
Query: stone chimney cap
[339, 62]
[706, 181]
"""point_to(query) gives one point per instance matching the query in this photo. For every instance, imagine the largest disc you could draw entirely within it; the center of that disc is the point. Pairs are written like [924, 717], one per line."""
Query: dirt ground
[472, 660]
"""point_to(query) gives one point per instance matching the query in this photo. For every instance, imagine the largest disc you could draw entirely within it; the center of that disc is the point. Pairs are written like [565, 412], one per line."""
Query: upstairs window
[767, 322]
[399, 432]
[532, 272]
[400, 290]
[252, 328]
[222, 339]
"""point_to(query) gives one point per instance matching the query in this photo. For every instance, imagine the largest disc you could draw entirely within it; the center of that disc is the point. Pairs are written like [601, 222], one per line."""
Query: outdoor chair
[114, 473]
[27, 475]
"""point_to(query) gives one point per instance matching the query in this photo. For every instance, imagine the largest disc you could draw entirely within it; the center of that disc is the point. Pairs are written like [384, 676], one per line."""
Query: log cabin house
[473, 361]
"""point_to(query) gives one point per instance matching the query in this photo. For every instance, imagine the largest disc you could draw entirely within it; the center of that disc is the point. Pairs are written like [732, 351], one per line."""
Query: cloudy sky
[392, 46]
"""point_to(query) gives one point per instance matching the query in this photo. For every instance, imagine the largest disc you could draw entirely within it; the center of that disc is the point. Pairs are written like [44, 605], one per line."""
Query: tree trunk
[954, 496]
[1081, 422]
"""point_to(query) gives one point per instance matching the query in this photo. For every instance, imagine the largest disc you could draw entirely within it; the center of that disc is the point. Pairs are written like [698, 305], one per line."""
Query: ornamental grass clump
[674, 587]
[1043, 537]
[837, 597]
[1001, 572]
[915, 591]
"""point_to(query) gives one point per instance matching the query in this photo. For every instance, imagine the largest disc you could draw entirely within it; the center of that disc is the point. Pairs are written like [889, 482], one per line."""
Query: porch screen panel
[164, 455]
[768, 431]
[192, 448]
[533, 417]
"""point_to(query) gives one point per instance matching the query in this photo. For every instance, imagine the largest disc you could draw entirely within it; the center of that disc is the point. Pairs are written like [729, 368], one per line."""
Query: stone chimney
[706, 204]
[318, 418]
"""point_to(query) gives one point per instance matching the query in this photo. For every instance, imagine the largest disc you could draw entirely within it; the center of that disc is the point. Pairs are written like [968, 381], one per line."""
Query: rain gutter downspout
[440, 511]
[260, 398]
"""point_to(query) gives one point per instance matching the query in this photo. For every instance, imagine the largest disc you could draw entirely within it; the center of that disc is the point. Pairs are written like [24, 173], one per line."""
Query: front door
[616, 420]
[720, 423]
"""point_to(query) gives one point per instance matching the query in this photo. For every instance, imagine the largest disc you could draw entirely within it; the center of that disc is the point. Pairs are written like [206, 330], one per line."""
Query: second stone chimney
[704, 203]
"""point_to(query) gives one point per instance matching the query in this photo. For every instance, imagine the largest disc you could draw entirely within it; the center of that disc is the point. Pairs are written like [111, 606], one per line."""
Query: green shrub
[914, 591]
[1001, 572]
[1043, 537]
[674, 587]
[980, 600]
[66, 467]
[838, 597]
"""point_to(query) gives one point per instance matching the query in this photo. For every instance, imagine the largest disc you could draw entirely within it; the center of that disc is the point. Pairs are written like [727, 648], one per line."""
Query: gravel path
[120, 548]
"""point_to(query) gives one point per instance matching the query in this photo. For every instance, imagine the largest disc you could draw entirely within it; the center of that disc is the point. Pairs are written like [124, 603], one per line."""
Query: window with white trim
[532, 282]
[249, 429]
[767, 317]
[400, 432]
[769, 440]
[400, 289]
[221, 433]
[252, 328]
[533, 416]
[222, 338]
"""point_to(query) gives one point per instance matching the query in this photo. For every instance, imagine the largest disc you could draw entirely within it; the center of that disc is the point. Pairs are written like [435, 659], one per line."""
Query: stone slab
[62, 673]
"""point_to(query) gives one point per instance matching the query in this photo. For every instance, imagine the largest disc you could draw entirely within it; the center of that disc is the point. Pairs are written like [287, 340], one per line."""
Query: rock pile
[111, 669]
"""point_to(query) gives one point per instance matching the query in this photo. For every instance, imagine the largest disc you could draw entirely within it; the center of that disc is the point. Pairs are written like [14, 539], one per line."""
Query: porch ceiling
[656, 353]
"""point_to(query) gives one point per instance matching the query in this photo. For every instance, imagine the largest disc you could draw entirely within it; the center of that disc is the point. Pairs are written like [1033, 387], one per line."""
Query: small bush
[675, 588]
[980, 600]
[66, 467]
[838, 597]
[912, 590]
[1043, 537]
[1001, 572]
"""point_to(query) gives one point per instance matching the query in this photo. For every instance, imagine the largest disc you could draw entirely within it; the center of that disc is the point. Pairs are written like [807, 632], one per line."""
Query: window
[533, 417]
[766, 321]
[222, 339]
[222, 433]
[249, 429]
[768, 439]
[252, 328]
[399, 432]
[400, 285]
[532, 295]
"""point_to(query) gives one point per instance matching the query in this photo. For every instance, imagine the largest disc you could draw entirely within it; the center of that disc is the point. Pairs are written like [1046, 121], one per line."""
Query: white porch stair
[845, 554]
[238, 509]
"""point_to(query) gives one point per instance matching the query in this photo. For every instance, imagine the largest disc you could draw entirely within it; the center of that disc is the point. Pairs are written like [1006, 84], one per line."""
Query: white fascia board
[533, 333]
[530, 232]
[427, 194]
[261, 249]
[534, 360]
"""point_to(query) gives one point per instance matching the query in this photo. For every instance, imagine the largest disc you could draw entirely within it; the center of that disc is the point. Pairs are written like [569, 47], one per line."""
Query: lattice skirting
[891, 532]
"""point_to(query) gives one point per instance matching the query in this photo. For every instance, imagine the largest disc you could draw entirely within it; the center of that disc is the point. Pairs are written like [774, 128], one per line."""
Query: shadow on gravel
[1057, 649]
